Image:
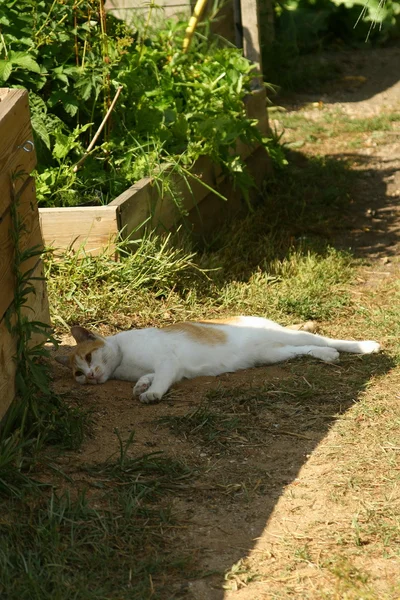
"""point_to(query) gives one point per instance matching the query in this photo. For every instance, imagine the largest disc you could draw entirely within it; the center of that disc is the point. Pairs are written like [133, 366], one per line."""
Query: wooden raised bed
[17, 155]
[97, 227]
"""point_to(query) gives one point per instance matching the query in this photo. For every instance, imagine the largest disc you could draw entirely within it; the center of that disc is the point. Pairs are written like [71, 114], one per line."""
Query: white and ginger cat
[157, 358]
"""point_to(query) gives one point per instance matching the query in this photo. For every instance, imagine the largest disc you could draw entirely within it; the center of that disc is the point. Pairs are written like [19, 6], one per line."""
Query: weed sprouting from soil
[141, 477]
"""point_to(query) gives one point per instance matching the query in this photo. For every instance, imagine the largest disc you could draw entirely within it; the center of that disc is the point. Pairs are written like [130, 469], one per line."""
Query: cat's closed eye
[88, 357]
[79, 373]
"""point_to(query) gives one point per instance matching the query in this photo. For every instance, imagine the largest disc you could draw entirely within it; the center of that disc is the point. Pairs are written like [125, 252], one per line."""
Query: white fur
[157, 358]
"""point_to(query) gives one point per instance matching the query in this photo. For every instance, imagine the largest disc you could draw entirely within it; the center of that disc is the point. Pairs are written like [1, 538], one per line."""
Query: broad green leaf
[85, 88]
[5, 69]
[61, 147]
[89, 25]
[40, 129]
[69, 103]
[25, 61]
[36, 103]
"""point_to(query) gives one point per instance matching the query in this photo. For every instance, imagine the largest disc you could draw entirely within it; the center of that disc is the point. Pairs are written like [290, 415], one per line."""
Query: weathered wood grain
[30, 237]
[37, 305]
[144, 203]
[95, 228]
[36, 309]
[251, 36]
[8, 348]
[16, 133]
[132, 9]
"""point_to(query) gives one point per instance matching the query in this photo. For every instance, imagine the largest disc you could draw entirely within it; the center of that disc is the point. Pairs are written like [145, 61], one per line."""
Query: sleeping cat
[157, 358]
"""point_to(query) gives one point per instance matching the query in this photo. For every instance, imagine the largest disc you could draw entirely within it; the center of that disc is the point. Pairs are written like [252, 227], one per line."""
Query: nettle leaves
[15, 61]
[173, 108]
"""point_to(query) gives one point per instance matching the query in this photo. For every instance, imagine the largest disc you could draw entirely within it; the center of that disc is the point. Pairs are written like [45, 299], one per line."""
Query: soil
[253, 494]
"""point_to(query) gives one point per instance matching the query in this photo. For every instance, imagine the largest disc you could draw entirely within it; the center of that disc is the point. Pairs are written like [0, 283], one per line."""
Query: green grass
[277, 261]
[332, 123]
[382, 122]
[107, 539]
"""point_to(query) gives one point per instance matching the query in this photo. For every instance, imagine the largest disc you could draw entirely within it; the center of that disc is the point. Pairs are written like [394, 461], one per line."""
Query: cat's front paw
[150, 397]
[143, 385]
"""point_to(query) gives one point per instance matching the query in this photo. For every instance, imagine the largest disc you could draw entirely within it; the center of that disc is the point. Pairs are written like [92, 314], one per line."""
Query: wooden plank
[91, 226]
[224, 25]
[128, 10]
[256, 108]
[251, 34]
[16, 132]
[164, 9]
[143, 203]
[39, 311]
[17, 154]
[134, 207]
[213, 213]
[188, 192]
[8, 349]
[29, 237]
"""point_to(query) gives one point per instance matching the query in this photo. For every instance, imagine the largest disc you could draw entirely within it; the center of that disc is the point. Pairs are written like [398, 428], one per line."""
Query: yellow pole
[194, 19]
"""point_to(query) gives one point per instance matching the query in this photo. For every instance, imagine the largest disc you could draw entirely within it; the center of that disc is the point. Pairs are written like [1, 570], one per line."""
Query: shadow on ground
[373, 220]
[246, 436]
[347, 76]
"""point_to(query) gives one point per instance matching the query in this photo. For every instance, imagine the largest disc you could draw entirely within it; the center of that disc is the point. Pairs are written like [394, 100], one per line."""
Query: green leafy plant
[174, 107]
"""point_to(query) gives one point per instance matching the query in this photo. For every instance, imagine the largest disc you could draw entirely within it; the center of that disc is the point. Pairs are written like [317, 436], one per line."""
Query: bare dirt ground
[263, 519]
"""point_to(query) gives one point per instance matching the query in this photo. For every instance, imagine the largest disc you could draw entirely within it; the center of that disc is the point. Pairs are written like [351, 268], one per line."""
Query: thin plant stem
[94, 140]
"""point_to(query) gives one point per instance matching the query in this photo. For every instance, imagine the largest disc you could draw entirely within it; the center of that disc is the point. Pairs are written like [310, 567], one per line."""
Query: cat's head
[91, 361]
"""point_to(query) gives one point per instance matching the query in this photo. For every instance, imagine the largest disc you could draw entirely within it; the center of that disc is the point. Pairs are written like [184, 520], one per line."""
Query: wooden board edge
[93, 229]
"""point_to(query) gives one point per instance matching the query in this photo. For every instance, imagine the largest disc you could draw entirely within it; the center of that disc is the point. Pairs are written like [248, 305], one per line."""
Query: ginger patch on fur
[199, 332]
[87, 347]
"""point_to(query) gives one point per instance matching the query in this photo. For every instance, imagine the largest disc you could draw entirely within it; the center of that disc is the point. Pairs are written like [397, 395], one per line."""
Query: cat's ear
[83, 335]
[63, 360]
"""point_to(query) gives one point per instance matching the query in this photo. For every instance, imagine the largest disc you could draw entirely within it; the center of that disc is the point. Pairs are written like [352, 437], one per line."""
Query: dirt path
[368, 87]
[273, 509]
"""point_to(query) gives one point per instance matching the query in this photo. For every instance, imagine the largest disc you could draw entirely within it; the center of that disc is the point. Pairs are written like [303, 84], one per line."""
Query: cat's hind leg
[291, 337]
[329, 355]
